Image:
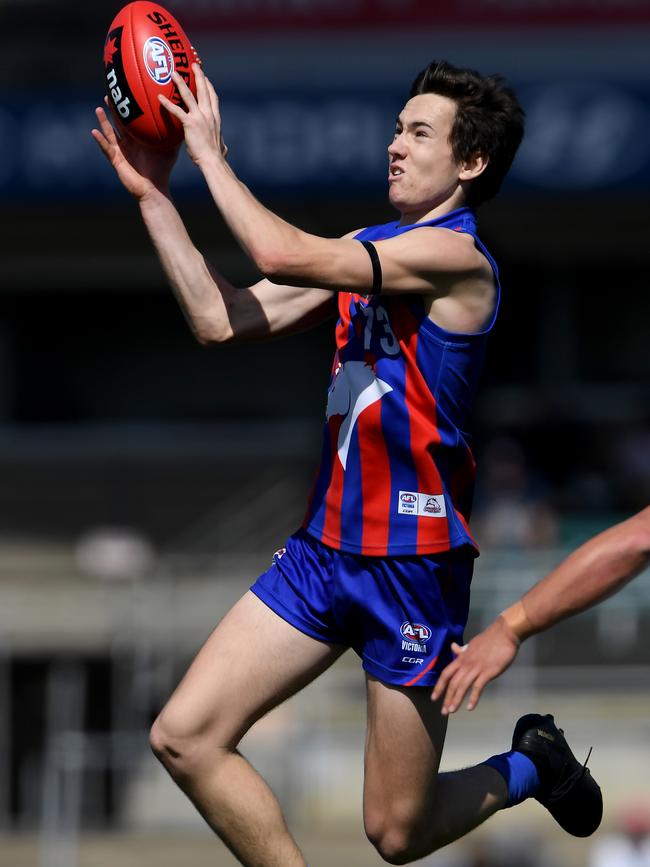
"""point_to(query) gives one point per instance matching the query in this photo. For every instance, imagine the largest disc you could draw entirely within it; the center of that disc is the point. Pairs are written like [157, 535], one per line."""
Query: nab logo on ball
[116, 80]
[158, 60]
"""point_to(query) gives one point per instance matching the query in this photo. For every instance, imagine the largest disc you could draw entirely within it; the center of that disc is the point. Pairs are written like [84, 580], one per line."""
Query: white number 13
[387, 341]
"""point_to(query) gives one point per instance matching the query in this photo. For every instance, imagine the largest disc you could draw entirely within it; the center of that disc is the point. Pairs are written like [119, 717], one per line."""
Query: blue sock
[520, 775]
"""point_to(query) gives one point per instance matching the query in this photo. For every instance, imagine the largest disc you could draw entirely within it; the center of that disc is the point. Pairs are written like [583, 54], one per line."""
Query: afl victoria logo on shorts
[158, 60]
[414, 636]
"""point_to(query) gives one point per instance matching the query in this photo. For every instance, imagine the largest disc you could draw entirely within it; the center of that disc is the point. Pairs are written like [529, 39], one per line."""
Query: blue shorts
[399, 614]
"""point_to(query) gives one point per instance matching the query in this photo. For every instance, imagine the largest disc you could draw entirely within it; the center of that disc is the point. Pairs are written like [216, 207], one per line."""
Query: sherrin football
[145, 44]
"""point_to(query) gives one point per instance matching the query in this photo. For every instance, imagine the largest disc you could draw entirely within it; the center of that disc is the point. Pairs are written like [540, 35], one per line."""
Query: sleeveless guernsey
[397, 474]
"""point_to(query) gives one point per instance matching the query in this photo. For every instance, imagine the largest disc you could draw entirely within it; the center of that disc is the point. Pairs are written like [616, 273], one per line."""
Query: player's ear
[473, 167]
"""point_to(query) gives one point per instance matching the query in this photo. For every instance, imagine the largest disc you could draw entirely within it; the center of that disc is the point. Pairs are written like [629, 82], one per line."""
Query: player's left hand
[140, 169]
[201, 118]
[486, 656]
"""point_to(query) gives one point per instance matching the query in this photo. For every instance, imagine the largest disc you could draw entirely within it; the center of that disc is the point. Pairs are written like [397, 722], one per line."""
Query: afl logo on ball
[415, 631]
[158, 60]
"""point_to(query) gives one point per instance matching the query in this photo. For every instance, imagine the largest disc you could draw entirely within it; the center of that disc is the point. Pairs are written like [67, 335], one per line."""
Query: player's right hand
[141, 170]
[485, 657]
[201, 117]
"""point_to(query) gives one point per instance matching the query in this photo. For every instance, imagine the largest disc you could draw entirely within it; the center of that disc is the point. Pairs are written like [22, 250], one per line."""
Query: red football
[145, 44]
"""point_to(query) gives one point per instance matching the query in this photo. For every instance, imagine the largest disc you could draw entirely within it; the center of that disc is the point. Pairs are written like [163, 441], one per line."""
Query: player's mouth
[394, 172]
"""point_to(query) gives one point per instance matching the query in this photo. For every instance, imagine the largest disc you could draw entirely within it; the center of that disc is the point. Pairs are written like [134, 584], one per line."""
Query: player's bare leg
[409, 809]
[232, 683]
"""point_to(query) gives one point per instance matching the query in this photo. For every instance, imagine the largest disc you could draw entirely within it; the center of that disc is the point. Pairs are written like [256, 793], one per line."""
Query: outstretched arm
[215, 309]
[425, 262]
[595, 571]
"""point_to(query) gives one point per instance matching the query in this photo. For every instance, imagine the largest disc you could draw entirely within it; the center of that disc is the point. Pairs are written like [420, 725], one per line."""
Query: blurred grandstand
[147, 481]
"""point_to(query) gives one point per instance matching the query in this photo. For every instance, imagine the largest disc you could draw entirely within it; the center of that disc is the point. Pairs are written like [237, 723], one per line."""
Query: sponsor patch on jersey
[423, 505]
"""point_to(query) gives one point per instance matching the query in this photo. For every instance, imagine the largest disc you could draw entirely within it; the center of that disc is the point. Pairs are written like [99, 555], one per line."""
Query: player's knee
[176, 745]
[395, 837]
[393, 846]
[163, 741]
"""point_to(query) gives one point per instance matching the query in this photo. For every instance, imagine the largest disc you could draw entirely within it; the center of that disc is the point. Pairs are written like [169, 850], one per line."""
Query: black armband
[376, 268]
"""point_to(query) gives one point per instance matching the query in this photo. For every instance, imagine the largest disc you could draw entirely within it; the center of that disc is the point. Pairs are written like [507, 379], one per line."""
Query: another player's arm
[427, 262]
[592, 573]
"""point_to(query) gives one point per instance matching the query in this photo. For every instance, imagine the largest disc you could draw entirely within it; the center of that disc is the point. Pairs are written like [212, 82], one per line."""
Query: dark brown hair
[489, 121]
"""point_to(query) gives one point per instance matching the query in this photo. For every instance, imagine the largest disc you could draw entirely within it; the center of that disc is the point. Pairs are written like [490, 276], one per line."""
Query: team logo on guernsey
[278, 555]
[414, 635]
[355, 388]
[432, 506]
[423, 505]
[158, 59]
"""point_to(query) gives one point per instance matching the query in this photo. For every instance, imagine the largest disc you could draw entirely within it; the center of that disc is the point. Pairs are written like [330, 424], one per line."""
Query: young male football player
[383, 561]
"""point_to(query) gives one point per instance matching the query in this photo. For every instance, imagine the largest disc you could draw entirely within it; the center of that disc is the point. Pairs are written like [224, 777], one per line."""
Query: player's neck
[425, 214]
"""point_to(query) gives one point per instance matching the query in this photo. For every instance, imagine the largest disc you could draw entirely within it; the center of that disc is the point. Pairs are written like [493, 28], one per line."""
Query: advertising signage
[582, 136]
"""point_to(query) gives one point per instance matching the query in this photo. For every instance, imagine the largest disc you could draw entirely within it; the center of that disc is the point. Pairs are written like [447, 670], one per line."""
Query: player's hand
[201, 118]
[486, 656]
[141, 170]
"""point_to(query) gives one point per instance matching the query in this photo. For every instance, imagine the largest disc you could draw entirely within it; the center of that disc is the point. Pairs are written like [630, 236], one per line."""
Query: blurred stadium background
[146, 481]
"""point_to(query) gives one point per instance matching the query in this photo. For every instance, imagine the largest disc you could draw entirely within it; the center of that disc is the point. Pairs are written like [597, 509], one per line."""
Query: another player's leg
[250, 664]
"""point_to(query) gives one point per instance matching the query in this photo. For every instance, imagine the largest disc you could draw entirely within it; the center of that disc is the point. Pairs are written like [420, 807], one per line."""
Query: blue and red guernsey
[397, 473]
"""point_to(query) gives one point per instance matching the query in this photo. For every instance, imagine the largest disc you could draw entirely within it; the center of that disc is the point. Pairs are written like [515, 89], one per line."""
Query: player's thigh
[252, 662]
[404, 742]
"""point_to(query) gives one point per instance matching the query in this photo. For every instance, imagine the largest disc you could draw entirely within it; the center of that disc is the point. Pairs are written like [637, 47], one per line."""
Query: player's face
[423, 173]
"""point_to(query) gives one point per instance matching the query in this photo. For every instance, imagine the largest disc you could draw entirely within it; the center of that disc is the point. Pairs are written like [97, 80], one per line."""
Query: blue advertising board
[582, 136]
